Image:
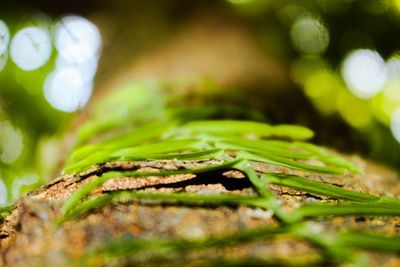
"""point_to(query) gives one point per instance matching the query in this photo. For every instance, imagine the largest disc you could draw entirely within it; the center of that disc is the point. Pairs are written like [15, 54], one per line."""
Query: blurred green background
[344, 56]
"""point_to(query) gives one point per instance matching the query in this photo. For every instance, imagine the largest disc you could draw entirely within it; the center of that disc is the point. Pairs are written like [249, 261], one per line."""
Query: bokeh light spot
[66, 90]
[31, 48]
[3, 60]
[319, 83]
[364, 72]
[355, 111]
[395, 124]
[383, 108]
[392, 86]
[396, 4]
[3, 193]
[87, 68]
[11, 142]
[309, 35]
[302, 68]
[77, 39]
[4, 37]
[323, 87]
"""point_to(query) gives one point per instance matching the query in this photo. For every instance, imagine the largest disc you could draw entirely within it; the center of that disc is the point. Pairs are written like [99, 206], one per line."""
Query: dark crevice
[229, 184]
[4, 235]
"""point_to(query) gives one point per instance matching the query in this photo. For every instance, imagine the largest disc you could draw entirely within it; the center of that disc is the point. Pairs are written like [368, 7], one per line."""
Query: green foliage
[229, 145]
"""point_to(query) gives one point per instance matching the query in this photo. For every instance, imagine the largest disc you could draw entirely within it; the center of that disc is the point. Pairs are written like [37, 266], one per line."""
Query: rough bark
[29, 234]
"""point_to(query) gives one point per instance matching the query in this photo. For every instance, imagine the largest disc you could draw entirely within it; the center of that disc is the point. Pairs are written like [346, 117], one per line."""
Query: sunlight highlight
[65, 89]
[3, 193]
[31, 48]
[392, 87]
[69, 87]
[87, 69]
[396, 4]
[395, 124]
[3, 60]
[77, 39]
[364, 72]
[4, 37]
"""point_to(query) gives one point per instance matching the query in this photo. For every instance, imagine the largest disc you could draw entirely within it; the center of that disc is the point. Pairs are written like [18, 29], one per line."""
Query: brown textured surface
[30, 235]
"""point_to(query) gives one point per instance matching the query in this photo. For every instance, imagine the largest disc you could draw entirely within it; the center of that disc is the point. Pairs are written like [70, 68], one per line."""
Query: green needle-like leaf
[291, 164]
[317, 188]
[248, 127]
[349, 209]
[183, 198]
